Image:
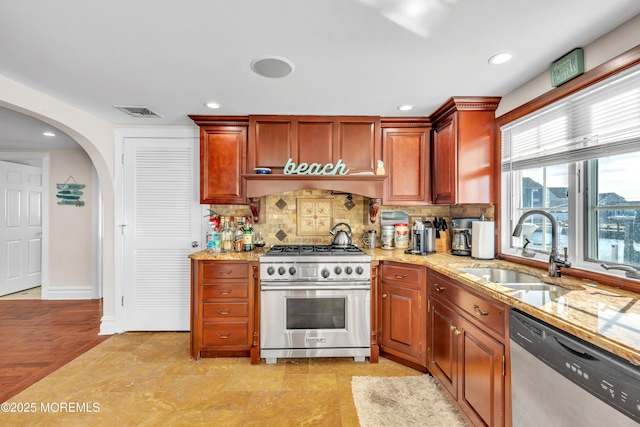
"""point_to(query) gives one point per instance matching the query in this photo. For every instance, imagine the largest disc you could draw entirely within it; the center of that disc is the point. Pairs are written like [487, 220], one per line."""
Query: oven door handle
[315, 288]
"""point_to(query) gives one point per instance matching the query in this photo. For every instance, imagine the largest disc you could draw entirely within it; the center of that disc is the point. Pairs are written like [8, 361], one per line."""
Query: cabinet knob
[384, 295]
[477, 310]
[438, 287]
[455, 330]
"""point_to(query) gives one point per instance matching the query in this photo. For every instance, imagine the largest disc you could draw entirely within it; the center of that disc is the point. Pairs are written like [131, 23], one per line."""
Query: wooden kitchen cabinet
[223, 301]
[464, 151]
[273, 140]
[223, 159]
[466, 350]
[402, 313]
[406, 155]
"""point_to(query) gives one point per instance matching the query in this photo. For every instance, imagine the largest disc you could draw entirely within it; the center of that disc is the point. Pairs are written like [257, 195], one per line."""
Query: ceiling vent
[138, 111]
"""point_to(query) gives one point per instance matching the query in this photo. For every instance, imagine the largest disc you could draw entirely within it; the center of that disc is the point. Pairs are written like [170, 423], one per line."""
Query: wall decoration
[69, 193]
[315, 217]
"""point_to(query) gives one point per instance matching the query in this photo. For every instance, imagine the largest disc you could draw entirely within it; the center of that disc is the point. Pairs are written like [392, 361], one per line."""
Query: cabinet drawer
[224, 334]
[403, 273]
[224, 270]
[225, 290]
[482, 309]
[222, 310]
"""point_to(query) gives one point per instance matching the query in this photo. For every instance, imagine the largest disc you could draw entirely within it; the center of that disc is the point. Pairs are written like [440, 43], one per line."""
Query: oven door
[314, 317]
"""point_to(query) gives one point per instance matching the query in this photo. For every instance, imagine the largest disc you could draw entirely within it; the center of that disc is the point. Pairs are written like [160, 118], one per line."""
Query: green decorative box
[568, 67]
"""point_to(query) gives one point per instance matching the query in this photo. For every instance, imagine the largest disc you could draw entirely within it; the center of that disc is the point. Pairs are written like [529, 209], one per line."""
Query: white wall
[71, 245]
[616, 42]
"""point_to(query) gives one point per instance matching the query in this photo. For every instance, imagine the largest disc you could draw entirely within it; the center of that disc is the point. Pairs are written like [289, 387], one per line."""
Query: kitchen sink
[512, 279]
[502, 275]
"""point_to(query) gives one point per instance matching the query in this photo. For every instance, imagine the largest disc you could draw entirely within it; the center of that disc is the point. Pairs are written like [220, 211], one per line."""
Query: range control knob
[325, 272]
[337, 270]
[270, 270]
[281, 271]
[348, 270]
[292, 271]
[359, 270]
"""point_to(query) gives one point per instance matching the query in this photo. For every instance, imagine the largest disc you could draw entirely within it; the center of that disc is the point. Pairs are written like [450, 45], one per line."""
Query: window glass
[614, 209]
[544, 188]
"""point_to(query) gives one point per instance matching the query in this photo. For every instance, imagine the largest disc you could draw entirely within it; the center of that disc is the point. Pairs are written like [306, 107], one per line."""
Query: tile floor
[148, 379]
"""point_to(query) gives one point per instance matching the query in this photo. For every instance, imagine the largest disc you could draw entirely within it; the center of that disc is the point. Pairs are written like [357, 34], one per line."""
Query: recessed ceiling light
[212, 105]
[49, 134]
[405, 107]
[500, 58]
[272, 66]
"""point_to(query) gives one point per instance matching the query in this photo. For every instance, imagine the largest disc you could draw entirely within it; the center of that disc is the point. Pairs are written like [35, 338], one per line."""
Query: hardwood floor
[37, 337]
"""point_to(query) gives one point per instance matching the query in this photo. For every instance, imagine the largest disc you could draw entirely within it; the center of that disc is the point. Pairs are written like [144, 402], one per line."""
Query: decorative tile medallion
[281, 204]
[314, 217]
[281, 235]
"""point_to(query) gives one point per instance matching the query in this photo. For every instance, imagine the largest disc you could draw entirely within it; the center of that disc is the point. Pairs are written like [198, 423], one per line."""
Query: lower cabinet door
[443, 361]
[402, 321]
[482, 375]
[226, 334]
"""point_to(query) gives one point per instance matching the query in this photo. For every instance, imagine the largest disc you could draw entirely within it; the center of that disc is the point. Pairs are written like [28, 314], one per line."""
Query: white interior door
[161, 223]
[21, 227]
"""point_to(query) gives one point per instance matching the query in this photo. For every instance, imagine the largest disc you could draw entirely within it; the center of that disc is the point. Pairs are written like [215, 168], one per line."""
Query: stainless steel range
[315, 302]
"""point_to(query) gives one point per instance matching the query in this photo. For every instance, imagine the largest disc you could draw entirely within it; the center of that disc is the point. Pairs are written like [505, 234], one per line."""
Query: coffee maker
[423, 238]
[461, 236]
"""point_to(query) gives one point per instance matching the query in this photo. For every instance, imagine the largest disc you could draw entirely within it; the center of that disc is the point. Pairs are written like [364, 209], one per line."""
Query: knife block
[442, 244]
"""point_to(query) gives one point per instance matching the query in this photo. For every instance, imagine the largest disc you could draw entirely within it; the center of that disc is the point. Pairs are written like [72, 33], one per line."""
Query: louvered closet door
[161, 220]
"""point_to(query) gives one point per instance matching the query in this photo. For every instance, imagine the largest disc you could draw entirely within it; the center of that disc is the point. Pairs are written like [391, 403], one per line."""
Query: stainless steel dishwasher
[560, 380]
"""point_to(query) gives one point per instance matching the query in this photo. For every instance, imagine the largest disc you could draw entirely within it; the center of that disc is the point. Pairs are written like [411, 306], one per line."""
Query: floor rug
[403, 401]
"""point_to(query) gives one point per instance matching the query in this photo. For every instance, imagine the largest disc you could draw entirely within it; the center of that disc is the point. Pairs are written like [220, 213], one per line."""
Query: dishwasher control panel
[612, 379]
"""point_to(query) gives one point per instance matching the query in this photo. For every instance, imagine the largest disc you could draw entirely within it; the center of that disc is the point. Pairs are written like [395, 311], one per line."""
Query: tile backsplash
[278, 215]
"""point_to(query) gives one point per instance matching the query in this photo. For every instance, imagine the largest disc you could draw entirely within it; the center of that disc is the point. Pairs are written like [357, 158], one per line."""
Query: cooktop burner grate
[314, 250]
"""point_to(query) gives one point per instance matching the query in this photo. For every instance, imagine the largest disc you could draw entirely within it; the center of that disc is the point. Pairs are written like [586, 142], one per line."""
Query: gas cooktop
[294, 250]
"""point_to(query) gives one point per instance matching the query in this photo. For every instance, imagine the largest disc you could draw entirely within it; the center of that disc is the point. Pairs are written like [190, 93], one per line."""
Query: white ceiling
[351, 57]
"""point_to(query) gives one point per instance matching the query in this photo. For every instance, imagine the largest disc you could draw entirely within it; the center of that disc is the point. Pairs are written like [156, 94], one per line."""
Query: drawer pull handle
[224, 313]
[438, 287]
[222, 273]
[221, 292]
[224, 337]
[476, 309]
[399, 276]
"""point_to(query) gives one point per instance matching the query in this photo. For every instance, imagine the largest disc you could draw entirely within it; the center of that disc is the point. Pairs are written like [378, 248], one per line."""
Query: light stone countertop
[604, 316]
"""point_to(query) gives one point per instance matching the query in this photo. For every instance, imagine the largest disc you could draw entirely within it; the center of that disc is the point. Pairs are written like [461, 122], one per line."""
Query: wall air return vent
[138, 111]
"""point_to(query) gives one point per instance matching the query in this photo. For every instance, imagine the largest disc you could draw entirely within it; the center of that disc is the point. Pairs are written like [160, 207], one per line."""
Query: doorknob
[194, 244]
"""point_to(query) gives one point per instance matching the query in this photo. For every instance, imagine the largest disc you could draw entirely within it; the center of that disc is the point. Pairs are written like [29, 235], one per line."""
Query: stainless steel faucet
[555, 263]
[631, 271]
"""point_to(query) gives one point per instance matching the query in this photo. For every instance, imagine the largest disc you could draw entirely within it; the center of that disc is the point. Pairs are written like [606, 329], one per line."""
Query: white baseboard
[107, 325]
[69, 292]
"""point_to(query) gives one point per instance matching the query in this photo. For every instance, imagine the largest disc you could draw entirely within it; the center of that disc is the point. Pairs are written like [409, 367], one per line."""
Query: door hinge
[122, 302]
[122, 159]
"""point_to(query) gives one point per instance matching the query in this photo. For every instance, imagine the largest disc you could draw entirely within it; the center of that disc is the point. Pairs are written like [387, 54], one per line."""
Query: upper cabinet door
[359, 144]
[271, 142]
[222, 162]
[445, 162]
[407, 163]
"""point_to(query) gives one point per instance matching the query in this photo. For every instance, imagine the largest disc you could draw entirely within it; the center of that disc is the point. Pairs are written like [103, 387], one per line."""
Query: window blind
[599, 121]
